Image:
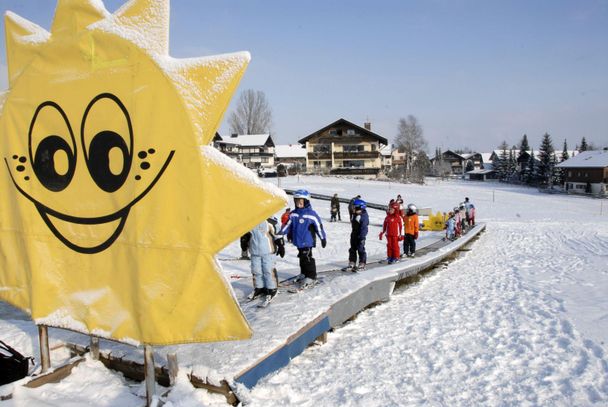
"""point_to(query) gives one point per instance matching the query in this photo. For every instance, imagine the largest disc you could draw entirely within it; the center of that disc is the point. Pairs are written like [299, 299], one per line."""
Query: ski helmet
[301, 194]
[359, 204]
[412, 208]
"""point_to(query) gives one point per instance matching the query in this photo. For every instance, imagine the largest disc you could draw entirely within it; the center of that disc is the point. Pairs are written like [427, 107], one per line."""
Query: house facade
[344, 148]
[459, 164]
[586, 173]
[292, 156]
[252, 150]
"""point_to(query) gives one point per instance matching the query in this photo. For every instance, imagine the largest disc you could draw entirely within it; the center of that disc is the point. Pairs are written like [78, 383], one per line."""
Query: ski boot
[256, 293]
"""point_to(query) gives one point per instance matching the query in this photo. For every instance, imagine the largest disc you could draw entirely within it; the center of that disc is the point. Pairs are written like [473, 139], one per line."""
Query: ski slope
[521, 319]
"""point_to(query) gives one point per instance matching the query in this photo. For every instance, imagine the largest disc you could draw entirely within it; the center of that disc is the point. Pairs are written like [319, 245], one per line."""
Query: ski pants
[392, 247]
[308, 267]
[261, 268]
[409, 244]
[357, 246]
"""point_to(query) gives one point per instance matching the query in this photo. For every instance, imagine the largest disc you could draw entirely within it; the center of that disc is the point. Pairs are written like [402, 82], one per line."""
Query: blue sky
[474, 73]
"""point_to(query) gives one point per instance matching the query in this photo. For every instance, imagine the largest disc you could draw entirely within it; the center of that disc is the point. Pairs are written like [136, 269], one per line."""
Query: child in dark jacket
[393, 229]
[359, 225]
[302, 229]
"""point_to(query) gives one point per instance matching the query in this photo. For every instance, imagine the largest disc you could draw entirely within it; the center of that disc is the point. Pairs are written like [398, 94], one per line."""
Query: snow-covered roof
[480, 171]
[247, 140]
[485, 157]
[587, 159]
[289, 151]
[386, 151]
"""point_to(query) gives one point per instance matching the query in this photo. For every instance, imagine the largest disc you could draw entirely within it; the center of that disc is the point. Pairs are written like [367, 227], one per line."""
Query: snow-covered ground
[522, 319]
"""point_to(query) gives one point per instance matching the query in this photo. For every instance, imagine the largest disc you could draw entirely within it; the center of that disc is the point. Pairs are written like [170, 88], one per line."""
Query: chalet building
[387, 157]
[461, 163]
[586, 172]
[291, 155]
[251, 150]
[343, 148]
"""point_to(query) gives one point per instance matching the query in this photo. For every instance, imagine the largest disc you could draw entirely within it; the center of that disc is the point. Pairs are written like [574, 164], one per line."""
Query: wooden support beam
[56, 375]
[172, 367]
[149, 374]
[94, 349]
[45, 353]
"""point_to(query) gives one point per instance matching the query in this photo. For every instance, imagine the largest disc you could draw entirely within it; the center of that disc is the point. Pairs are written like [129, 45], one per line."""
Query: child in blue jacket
[302, 229]
[359, 226]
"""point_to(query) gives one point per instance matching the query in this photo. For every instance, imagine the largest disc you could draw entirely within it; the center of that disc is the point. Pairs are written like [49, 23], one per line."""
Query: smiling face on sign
[110, 206]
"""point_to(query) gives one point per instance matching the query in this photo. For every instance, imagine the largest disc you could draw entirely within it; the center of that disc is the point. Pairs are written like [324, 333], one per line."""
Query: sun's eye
[54, 160]
[109, 153]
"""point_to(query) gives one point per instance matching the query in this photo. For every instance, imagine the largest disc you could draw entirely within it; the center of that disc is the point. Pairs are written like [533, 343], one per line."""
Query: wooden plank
[54, 376]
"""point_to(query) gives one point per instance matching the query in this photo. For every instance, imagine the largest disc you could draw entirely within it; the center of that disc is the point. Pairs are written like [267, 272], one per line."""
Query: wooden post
[150, 378]
[172, 367]
[45, 353]
[94, 348]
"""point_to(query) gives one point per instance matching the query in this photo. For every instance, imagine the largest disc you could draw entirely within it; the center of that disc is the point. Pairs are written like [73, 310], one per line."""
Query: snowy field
[522, 319]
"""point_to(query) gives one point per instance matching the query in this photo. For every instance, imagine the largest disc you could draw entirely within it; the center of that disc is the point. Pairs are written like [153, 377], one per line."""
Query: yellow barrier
[435, 222]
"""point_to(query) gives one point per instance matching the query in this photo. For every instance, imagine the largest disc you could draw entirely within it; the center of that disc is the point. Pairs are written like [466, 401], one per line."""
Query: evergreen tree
[511, 164]
[565, 154]
[530, 175]
[558, 173]
[545, 158]
[523, 145]
[502, 161]
[584, 146]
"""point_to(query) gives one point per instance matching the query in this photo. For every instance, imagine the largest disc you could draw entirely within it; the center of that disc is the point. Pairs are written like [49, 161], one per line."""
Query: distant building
[343, 148]
[386, 153]
[460, 163]
[251, 150]
[587, 172]
[291, 155]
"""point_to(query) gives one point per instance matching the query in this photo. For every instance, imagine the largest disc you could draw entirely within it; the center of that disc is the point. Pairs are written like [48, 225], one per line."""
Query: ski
[266, 301]
[299, 287]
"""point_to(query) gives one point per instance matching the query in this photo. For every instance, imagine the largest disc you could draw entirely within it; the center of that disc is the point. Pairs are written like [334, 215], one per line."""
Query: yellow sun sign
[113, 204]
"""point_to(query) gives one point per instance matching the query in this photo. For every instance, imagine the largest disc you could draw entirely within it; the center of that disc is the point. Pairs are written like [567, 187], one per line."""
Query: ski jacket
[359, 224]
[393, 225]
[451, 225]
[262, 239]
[335, 202]
[303, 226]
[411, 224]
[468, 206]
[284, 218]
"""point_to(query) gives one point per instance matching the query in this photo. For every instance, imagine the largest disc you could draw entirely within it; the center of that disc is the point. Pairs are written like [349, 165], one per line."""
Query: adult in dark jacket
[359, 225]
[335, 208]
[302, 229]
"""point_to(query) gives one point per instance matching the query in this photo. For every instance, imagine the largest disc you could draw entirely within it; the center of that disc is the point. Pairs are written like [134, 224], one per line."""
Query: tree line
[519, 163]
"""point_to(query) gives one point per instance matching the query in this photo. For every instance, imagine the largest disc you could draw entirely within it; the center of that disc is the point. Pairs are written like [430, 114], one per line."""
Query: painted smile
[110, 225]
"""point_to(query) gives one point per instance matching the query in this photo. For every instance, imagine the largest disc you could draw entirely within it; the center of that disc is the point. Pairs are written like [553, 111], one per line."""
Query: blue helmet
[301, 193]
[359, 204]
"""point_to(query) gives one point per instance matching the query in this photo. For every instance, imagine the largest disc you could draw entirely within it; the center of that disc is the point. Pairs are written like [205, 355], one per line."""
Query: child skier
[470, 212]
[302, 228]
[412, 227]
[457, 222]
[463, 218]
[263, 245]
[393, 229]
[285, 216]
[359, 224]
[450, 226]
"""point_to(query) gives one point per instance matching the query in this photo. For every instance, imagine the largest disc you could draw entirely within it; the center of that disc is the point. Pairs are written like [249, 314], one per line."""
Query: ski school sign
[113, 205]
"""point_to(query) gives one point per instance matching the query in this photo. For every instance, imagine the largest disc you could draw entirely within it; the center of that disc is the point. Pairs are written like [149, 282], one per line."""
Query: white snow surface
[521, 319]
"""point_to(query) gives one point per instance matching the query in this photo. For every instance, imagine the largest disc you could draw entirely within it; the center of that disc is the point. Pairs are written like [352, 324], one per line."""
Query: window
[320, 148]
[333, 133]
[350, 132]
[316, 164]
[265, 159]
[570, 175]
[352, 148]
[353, 163]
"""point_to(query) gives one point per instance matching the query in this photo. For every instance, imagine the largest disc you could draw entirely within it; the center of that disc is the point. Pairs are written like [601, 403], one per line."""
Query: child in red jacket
[393, 229]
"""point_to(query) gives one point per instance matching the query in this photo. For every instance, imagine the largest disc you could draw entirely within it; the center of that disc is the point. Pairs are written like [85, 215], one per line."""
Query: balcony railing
[360, 155]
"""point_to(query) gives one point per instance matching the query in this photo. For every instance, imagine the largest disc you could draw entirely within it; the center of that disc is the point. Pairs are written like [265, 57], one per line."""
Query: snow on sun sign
[113, 204]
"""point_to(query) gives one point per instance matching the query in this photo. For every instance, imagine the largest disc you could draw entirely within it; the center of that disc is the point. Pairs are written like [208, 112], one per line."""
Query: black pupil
[44, 163]
[99, 160]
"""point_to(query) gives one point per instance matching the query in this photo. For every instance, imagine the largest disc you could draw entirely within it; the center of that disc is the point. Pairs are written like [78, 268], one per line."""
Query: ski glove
[380, 235]
[415, 235]
[280, 247]
[323, 243]
[400, 238]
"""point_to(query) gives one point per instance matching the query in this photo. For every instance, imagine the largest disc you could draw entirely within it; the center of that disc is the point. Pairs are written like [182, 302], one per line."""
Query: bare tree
[252, 114]
[411, 141]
